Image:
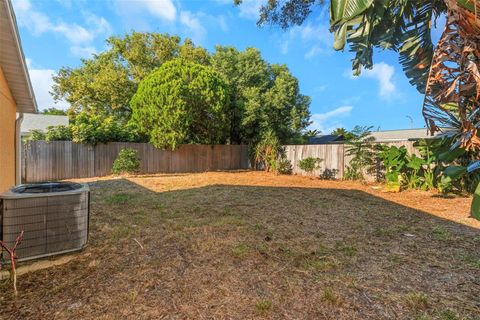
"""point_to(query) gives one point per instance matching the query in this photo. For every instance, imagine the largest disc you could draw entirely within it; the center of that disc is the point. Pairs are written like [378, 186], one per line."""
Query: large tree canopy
[262, 96]
[181, 102]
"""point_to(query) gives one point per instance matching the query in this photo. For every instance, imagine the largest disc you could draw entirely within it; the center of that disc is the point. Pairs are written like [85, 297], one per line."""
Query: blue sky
[58, 33]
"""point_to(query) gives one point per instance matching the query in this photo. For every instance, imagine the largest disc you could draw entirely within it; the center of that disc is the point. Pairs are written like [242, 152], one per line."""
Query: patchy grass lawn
[253, 245]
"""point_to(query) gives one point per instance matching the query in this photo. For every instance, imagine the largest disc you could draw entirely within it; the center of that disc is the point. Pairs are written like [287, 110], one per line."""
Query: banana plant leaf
[455, 172]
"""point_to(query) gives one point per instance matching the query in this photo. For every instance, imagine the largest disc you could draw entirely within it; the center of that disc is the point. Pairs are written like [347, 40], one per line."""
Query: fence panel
[43, 161]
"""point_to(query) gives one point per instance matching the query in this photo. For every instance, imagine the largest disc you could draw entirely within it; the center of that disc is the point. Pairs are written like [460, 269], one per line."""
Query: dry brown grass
[253, 245]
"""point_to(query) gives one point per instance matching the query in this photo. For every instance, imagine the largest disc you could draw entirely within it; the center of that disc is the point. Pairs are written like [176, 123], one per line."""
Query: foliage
[309, 164]
[127, 161]
[395, 162]
[329, 174]
[54, 111]
[58, 133]
[93, 128]
[181, 102]
[347, 135]
[283, 165]
[106, 82]
[36, 135]
[266, 152]
[262, 96]
[360, 149]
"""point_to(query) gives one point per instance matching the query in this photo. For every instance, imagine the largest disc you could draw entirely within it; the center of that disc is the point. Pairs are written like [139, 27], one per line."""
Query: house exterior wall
[7, 135]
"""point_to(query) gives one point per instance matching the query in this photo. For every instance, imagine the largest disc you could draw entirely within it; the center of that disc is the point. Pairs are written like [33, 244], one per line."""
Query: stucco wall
[7, 135]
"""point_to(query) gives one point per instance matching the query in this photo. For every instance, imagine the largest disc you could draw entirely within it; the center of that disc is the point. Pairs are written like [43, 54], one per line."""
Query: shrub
[329, 174]
[127, 162]
[283, 166]
[35, 135]
[58, 133]
[309, 164]
[267, 151]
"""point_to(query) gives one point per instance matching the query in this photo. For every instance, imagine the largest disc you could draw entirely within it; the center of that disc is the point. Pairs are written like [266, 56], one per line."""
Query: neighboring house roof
[41, 122]
[401, 135]
[329, 138]
[12, 60]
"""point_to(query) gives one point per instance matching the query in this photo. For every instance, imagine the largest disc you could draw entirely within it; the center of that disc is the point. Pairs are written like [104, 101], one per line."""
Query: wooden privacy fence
[56, 160]
[333, 156]
[43, 161]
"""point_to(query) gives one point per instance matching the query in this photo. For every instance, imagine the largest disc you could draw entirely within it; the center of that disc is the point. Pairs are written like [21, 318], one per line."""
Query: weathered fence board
[332, 156]
[42, 161]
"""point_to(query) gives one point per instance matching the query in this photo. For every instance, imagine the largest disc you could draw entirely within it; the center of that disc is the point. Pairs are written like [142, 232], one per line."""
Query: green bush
[35, 135]
[283, 166]
[309, 164]
[127, 162]
[267, 152]
[58, 133]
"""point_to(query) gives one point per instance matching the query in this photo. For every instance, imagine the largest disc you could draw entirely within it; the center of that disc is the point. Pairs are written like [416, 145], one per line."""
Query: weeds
[417, 301]
[263, 305]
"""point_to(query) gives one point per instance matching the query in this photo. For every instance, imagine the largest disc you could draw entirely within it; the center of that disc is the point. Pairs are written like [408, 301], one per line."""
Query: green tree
[361, 152]
[106, 82]
[263, 96]
[181, 102]
[347, 135]
[54, 111]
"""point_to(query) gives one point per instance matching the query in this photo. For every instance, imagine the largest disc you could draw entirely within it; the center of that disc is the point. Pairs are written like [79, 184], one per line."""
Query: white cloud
[313, 52]
[316, 39]
[383, 73]
[42, 83]
[328, 121]
[38, 23]
[194, 26]
[163, 9]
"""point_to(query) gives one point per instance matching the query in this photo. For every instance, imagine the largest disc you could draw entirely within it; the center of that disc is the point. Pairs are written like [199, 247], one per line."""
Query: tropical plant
[127, 161]
[395, 161]
[361, 152]
[309, 164]
[267, 151]
[181, 102]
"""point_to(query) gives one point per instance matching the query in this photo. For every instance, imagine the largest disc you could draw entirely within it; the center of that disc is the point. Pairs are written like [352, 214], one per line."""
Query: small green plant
[442, 234]
[329, 296]
[127, 162]
[283, 166]
[240, 250]
[417, 301]
[263, 305]
[309, 164]
[394, 160]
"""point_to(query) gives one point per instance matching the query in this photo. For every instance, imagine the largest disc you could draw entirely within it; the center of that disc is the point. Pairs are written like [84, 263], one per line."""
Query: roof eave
[32, 106]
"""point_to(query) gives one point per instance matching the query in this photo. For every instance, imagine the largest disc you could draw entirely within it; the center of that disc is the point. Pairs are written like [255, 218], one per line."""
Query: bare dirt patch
[248, 245]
